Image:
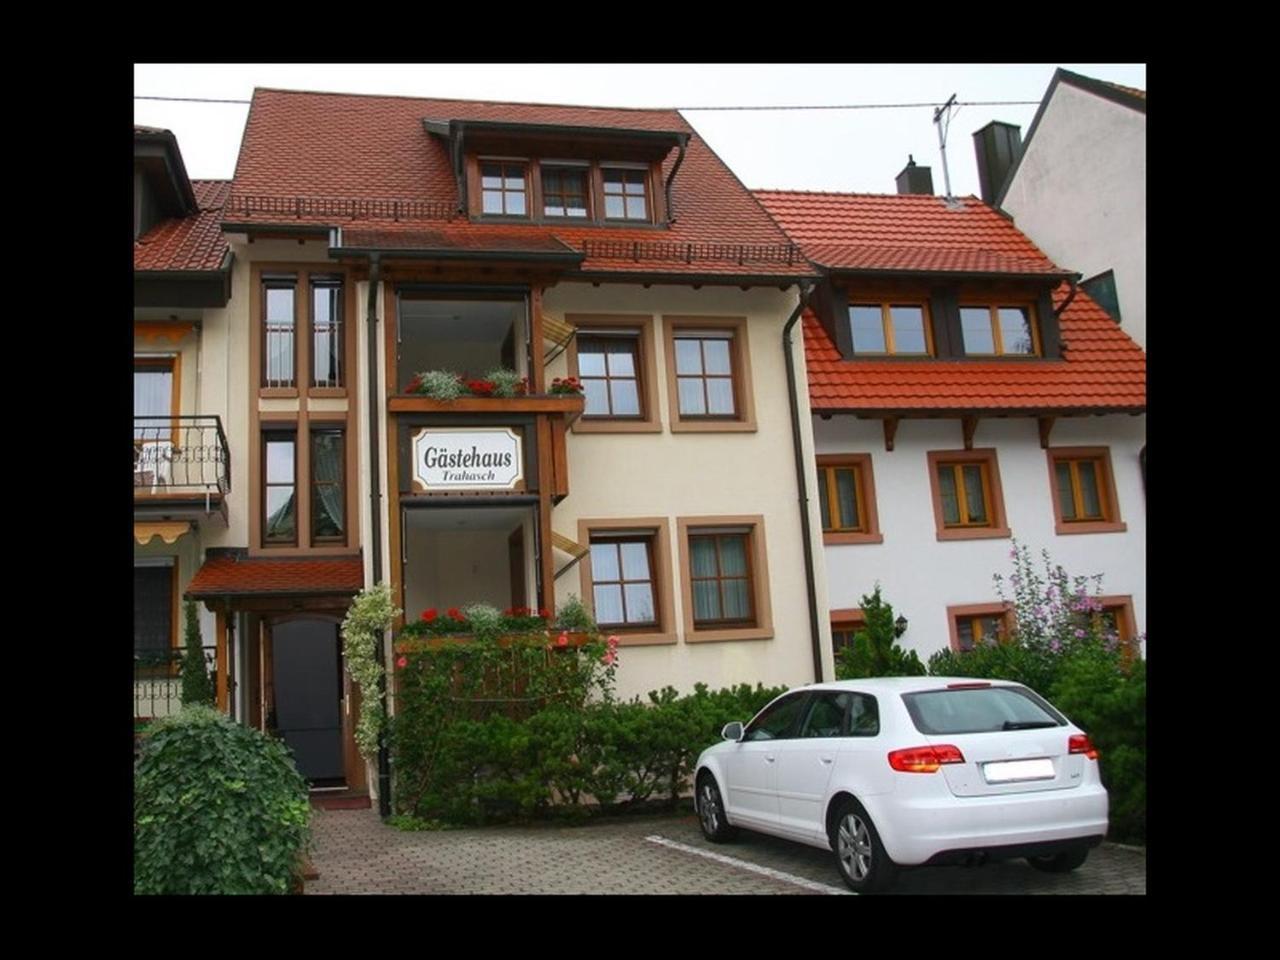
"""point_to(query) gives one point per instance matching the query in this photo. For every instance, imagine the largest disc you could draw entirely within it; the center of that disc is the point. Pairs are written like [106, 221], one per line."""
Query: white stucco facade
[922, 576]
[1079, 192]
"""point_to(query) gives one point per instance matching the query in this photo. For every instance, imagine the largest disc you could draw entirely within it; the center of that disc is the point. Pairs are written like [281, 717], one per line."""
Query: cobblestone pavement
[355, 853]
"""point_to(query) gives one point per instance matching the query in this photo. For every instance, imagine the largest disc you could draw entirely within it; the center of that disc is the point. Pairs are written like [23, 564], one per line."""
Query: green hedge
[565, 758]
[218, 808]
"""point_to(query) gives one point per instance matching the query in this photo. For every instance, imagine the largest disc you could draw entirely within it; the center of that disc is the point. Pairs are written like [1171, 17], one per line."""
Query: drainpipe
[375, 518]
[1071, 295]
[802, 470]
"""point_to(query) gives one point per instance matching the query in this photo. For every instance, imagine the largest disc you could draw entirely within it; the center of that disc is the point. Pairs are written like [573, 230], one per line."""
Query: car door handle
[769, 759]
[826, 759]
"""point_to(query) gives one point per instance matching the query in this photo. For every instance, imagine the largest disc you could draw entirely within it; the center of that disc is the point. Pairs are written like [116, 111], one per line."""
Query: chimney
[915, 179]
[998, 146]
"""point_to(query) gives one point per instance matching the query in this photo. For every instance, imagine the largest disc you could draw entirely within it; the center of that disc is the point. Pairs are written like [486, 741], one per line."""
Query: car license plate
[1006, 771]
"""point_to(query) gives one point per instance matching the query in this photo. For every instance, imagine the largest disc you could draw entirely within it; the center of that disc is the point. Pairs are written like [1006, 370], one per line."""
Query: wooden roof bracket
[1046, 427]
[967, 427]
[890, 431]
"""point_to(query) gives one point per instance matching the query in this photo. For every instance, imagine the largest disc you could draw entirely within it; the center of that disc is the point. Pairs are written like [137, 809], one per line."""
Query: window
[625, 194]
[974, 623]
[622, 585]
[609, 368]
[778, 721]
[328, 487]
[155, 401]
[503, 189]
[154, 598]
[846, 499]
[613, 356]
[724, 579]
[279, 349]
[565, 191]
[1083, 490]
[841, 714]
[890, 328]
[326, 332]
[708, 375]
[967, 499]
[626, 578]
[845, 623]
[999, 331]
[280, 511]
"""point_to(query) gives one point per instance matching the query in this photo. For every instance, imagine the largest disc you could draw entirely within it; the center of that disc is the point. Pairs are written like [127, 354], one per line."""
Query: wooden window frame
[1111, 522]
[267, 435]
[561, 166]
[340, 428]
[173, 363]
[993, 491]
[527, 165]
[758, 568]
[321, 281]
[869, 532]
[175, 606]
[269, 281]
[886, 319]
[1126, 622]
[645, 173]
[650, 420]
[845, 620]
[664, 631]
[1003, 610]
[744, 421]
[997, 335]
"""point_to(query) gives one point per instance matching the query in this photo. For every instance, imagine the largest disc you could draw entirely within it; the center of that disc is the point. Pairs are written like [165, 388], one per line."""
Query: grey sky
[858, 150]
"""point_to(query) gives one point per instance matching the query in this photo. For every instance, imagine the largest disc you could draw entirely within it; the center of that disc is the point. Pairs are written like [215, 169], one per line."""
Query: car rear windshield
[980, 710]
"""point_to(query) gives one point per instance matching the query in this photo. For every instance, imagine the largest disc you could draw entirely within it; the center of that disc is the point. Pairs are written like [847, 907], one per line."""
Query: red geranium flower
[413, 385]
[454, 613]
[562, 640]
[544, 613]
[402, 662]
[429, 614]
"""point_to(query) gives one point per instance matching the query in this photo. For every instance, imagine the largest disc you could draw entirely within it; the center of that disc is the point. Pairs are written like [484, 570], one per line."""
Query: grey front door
[308, 695]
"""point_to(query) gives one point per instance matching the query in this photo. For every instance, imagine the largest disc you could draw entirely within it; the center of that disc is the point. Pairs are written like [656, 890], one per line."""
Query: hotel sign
[470, 458]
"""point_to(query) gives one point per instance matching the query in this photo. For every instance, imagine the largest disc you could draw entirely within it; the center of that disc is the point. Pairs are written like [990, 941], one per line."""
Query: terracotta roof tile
[343, 148]
[1102, 368]
[228, 575]
[188, 243]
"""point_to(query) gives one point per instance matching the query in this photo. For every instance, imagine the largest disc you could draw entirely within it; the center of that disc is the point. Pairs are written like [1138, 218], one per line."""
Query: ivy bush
[367, 619]
[218, 808]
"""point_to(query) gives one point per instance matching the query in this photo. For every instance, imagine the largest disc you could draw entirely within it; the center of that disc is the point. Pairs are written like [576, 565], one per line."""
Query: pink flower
[612, 641]
[402, 662]
[608, 658]
[562, 640]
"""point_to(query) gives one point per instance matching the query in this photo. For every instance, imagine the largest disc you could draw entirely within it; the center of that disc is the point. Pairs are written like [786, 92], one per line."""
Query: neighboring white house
[1079, 190]
[962, 398]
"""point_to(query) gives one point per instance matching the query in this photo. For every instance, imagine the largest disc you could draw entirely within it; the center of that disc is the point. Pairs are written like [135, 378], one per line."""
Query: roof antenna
[938, 114]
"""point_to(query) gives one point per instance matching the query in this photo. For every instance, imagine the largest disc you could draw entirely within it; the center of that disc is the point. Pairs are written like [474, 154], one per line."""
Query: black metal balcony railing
[181, 455]
[157, 681]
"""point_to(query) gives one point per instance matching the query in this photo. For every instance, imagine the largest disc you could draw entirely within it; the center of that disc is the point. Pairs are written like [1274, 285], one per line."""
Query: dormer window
[504, 188]
[625, 194]
[1000, 330]
[890, 328]
[565, 190]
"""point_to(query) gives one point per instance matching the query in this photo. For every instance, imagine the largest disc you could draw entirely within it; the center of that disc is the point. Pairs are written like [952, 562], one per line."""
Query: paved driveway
[355, 853]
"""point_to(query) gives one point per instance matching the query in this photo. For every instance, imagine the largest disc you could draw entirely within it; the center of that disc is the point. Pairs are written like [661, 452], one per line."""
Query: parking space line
[754, 868]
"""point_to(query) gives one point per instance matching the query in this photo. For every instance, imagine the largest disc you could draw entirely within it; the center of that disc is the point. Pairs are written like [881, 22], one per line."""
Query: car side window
[778, 721]
[864, 716]
[826, 717]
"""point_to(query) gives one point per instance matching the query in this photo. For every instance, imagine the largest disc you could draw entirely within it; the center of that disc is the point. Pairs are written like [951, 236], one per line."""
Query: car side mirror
[732, 731]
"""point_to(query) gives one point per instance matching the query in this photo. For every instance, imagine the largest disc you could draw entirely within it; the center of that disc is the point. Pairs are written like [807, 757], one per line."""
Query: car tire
[710, 807]
[860, 856]
[1063, 862]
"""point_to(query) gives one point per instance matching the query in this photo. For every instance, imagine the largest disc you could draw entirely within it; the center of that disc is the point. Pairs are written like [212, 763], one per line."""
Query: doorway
[306, 666]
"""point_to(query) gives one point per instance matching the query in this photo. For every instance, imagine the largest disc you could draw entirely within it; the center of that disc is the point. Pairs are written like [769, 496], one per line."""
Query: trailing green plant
[370, 615]
[218, 808]
[572, 615]
[875, 651]
[506, 383]
[196, 687]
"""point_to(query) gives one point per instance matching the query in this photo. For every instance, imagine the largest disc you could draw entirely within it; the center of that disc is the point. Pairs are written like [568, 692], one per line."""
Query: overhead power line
[823, 106]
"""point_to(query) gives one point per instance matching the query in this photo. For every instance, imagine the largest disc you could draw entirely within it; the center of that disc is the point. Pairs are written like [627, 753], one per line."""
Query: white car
[902, 771]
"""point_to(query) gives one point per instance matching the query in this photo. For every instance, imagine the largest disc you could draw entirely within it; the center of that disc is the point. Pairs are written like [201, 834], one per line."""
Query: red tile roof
[1101, 369]
[346, 147]
[904, 232]
[229, 575]
[188, 243]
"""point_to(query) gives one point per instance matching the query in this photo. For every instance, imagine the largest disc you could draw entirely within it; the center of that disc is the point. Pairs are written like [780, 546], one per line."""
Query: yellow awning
[571, 547]
[167, 530]
[556, 330]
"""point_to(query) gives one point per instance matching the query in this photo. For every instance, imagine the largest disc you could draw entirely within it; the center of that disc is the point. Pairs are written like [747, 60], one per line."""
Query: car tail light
[1079, 743]
[925, 759]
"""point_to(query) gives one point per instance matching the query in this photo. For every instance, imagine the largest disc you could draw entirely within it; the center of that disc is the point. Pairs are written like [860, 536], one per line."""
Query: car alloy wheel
[860, 856]
[711, 810]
